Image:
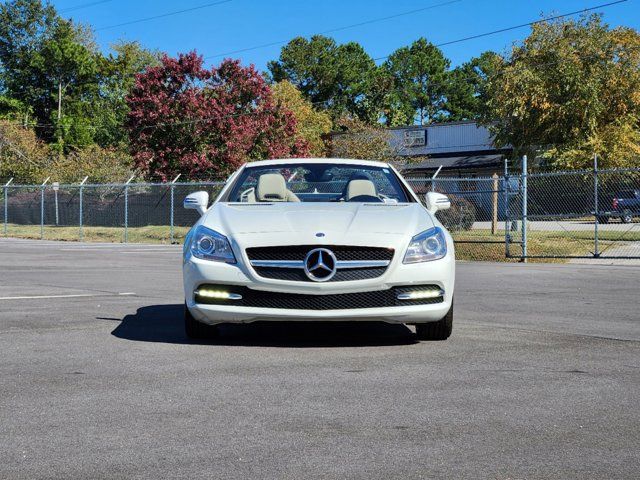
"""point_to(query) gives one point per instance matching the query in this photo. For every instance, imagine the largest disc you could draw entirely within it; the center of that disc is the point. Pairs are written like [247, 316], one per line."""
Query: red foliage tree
[205, 123]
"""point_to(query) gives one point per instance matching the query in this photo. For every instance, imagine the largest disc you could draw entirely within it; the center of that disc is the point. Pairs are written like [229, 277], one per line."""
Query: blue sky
[239, 24]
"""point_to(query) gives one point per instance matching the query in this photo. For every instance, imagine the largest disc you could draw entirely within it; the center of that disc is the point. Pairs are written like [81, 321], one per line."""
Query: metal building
[461, 148]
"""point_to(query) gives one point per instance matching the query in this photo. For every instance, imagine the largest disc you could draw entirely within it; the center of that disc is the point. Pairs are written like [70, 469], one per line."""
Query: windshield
[318, 182]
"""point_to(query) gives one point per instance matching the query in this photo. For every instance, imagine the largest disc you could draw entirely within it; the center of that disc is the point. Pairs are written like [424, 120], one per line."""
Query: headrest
[358, 187]
[271, 188]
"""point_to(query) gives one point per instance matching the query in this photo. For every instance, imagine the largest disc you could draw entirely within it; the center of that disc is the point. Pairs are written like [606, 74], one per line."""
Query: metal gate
[576, 214]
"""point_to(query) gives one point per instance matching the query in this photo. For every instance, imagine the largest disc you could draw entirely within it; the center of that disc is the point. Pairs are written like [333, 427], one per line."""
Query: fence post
[433, 179]
[507, 230]
[171, 214]
[6, 206]
[596, 253]
[494, 215]
[524, 208]
[56, 187]
[126, 209]
[42, 208]
[80, 213]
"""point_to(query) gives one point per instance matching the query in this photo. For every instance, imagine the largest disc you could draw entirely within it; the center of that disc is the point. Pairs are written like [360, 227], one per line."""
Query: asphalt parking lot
[541, 378]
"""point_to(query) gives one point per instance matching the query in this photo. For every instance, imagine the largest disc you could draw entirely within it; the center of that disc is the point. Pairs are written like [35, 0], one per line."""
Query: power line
[407, 13]
[450, 42]
[163, 15]
[84, 5]
[470, 77]
[515, 27]
[338, 29]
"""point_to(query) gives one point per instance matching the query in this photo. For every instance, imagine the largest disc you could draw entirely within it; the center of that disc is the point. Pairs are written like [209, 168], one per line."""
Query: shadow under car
[164, 323]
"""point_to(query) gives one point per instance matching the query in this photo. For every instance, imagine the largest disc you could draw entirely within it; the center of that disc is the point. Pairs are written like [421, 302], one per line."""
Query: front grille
[340, 301]
[298, 275]
[298, 252]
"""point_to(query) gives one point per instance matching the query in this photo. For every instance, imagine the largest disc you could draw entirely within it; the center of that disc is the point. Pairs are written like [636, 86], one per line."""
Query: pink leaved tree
[205, 123]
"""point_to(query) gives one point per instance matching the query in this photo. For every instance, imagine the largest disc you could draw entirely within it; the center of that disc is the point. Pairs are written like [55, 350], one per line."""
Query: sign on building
[415, 138]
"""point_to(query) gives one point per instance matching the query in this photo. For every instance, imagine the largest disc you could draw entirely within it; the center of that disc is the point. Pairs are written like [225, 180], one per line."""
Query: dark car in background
[625, 206]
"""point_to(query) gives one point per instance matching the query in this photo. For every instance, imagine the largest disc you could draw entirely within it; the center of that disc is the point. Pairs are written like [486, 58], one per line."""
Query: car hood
[301, 221]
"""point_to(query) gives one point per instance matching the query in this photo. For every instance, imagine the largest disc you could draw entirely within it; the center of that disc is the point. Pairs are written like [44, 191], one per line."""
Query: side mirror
[197, 201]
[436, 201]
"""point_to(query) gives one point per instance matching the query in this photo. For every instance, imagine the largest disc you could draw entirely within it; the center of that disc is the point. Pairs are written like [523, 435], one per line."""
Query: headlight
[210, 245]
[426, 246]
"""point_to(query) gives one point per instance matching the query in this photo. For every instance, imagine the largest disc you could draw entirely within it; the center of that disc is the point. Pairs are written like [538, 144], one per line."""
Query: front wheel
[627, 217]
[440, 330]
[197, 330]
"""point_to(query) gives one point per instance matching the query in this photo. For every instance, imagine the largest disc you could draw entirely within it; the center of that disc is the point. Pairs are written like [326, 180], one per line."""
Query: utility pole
[59, 116]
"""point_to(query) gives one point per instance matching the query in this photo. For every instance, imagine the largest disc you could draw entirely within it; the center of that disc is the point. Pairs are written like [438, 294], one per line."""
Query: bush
[29, 160]
[357, 139]
[460, 216]
[101, 165]
[22, 156]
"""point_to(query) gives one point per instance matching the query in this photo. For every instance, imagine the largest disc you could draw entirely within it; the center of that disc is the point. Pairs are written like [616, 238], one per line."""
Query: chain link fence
[578, 214]
[137, 212]
[476, 216]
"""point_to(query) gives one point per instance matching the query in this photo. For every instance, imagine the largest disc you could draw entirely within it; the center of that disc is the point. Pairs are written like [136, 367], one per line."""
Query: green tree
[24, 26]
[50, 65]
[117, 77]
[12, 109]
[311, 125]
[384, 102]
[70, 70]
[419, 75]
[331, 76]
[570, 90]
[466, 96]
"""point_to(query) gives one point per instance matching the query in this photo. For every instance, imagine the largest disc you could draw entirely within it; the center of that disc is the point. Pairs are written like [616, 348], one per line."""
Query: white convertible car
[318, 240]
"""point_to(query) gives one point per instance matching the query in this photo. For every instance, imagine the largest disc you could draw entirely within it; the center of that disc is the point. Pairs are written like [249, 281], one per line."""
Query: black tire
[440, 330]
[626, 217]
[197, 330]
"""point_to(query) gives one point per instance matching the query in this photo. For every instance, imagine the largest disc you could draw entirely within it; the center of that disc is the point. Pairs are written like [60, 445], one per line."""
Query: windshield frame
[241, 174]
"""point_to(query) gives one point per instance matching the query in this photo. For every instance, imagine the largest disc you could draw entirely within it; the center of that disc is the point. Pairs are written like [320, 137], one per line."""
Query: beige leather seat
[358, 187]
[272, 187]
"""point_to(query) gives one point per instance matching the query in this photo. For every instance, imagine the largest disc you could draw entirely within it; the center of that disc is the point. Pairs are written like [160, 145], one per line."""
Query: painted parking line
[82, 246]
[173, 252]
[121, 250]
[75, 295]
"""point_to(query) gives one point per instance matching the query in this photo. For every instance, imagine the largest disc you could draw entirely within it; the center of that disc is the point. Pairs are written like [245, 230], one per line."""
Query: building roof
[435, 124]
[458, 162]
[456, 138]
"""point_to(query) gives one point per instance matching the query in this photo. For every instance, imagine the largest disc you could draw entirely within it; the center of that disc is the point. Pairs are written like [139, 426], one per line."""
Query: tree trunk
[59, 100]
[59, 117]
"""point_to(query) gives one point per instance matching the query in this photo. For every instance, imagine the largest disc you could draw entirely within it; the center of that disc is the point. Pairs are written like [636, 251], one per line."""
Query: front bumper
[200, 272]
[213, 314]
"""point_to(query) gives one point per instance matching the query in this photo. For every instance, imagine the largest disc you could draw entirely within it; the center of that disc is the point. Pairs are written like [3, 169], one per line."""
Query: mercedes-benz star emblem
[320, 265]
